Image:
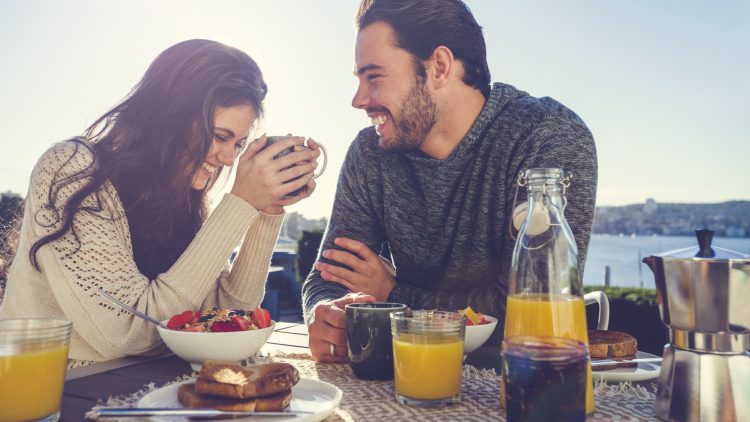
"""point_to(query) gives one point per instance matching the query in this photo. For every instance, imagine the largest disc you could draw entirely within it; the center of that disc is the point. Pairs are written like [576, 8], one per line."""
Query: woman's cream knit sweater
[72, 272]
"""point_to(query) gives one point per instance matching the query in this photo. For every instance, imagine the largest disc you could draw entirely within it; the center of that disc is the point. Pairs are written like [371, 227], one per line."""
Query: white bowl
[233, 345]
[477, 335]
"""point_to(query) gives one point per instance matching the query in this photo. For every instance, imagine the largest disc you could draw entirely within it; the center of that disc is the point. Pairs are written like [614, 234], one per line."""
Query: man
[434, 179]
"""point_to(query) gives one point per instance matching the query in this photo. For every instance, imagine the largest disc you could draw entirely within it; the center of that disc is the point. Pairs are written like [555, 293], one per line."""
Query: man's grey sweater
[446, 221]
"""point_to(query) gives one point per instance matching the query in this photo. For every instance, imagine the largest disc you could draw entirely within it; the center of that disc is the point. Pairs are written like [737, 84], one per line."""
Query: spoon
[139, 314]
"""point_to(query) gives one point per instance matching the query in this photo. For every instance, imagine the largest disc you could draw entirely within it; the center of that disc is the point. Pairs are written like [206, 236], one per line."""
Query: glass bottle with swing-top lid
[545, 294]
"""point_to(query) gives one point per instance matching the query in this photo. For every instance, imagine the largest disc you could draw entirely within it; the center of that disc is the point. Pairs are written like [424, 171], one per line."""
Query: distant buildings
[727, 219]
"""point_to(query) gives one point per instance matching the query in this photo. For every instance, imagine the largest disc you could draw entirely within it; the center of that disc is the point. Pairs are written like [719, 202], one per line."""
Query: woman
[124, 208]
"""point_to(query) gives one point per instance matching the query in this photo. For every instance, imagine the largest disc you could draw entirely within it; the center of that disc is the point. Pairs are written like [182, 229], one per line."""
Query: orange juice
[428, 367]
[31, 383]
[549, 315]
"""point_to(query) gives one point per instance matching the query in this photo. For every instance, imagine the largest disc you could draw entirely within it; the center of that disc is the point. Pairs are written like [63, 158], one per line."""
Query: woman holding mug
[124, 207]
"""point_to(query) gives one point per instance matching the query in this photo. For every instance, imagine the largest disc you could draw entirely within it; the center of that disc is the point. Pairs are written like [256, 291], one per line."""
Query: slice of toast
[612, 344]
[189, 398]
[597, 350]
[226, 379]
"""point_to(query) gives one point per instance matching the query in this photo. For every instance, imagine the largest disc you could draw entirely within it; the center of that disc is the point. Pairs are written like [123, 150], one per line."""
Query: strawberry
[261, 318]
[180, 320]
[222, 327]
[196, 317]
[240, 323]
[175, 323]
[187, 316]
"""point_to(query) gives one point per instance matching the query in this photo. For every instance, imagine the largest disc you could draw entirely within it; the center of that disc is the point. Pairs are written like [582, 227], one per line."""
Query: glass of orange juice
[33, 360]
[428, 349]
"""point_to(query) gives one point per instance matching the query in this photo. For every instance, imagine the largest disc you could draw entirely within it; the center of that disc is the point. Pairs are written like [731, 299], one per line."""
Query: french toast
[613, 345]
[226, 379]
[189, 398]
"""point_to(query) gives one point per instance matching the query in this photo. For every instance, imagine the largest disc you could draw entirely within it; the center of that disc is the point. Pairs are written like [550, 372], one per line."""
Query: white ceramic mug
[601, 298]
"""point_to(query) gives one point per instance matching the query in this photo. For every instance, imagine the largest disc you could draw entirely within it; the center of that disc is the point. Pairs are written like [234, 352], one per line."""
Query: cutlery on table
[595, 363]
[130, 309]
[105, 412]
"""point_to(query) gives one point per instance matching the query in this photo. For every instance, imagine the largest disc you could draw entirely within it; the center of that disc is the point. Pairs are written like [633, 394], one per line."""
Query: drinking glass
[545, 378]
[428, 349]
[33, 360]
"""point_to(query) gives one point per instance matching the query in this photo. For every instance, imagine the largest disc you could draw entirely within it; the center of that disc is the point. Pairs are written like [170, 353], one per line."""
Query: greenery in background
[631, 294]
[11, 207]
[307, 252]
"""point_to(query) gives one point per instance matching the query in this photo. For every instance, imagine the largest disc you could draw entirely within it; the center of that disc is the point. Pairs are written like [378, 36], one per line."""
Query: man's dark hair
[423, 25]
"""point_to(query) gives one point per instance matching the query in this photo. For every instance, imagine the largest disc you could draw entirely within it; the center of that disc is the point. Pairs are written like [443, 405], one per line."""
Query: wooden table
[85, 385]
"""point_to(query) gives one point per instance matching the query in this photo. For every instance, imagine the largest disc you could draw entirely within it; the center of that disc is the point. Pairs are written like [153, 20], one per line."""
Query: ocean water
[623, 256]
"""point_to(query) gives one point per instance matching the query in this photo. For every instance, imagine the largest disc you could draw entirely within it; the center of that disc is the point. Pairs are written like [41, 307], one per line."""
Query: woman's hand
[308, 188]
[262, 180]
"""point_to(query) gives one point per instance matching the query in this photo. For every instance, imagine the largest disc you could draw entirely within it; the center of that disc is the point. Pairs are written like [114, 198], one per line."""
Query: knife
[111, 412]
[612, 361]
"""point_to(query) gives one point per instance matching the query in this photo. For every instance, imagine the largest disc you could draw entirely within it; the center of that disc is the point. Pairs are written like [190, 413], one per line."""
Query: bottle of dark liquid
[545, 295]
[545, 379]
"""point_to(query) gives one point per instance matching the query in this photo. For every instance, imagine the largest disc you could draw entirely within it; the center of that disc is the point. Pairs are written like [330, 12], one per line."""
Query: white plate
[642, 372]
[308, 395]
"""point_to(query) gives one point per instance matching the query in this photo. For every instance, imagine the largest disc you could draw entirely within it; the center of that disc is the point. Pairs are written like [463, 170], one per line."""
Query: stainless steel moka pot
[704, 299]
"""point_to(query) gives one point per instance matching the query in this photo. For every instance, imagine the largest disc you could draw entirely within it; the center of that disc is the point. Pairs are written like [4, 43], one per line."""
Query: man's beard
[418, 116]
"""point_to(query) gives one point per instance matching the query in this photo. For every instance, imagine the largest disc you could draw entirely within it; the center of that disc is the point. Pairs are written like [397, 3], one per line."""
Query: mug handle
[601, 298]
[325, 161]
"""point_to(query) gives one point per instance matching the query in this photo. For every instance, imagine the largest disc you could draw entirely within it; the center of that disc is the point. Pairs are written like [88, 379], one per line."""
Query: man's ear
[442, 65]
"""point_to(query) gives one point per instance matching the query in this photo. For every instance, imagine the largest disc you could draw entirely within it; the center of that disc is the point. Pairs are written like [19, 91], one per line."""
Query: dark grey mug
[368, 334]
[270, 140]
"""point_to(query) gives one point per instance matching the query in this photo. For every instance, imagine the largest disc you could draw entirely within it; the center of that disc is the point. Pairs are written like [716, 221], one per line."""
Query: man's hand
[369, 273]
[328, 328]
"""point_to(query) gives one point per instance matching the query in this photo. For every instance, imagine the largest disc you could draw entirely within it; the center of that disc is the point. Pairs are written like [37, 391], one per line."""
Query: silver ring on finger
[333, 349]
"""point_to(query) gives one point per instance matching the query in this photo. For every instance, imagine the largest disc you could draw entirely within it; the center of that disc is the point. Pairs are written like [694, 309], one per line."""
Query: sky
[664, 86]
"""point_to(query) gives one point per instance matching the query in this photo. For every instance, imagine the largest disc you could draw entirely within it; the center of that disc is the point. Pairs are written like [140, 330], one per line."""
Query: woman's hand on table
[370, 273]
[328, 328]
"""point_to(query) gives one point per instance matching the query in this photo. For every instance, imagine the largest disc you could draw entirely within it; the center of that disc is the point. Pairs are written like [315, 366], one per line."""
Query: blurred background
[663, 86]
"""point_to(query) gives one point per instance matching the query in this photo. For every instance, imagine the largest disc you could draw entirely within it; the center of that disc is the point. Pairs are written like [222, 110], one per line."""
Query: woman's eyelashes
[240, 145]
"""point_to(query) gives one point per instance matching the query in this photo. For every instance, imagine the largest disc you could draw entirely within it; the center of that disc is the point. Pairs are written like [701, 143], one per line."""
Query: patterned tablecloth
[374, 400]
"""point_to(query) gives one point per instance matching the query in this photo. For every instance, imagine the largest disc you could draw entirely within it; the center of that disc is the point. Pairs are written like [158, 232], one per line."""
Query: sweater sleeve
[97, 254]
[243, 286]
[355, 215]
[555, 142]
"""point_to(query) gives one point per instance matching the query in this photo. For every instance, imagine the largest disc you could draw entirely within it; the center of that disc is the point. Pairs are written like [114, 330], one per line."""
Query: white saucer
[308, 395]
[642, 372]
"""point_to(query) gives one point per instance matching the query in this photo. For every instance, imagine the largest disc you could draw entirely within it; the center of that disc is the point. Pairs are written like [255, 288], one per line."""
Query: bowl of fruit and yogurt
[479, 328]
[224, 334]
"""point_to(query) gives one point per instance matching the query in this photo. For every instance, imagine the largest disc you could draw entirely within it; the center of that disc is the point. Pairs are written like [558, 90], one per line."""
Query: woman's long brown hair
[150, 145]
